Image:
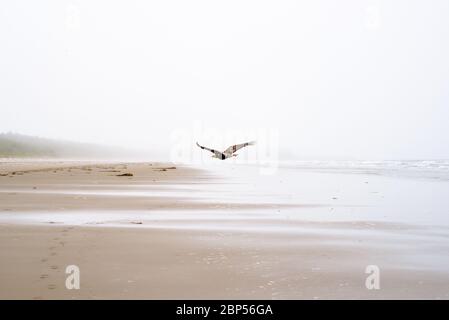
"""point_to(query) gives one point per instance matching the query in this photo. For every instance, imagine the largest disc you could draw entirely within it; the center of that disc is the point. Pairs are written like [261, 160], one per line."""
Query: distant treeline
[21, 146]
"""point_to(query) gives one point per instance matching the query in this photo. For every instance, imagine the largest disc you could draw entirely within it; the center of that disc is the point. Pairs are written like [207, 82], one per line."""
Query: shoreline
[174, 234]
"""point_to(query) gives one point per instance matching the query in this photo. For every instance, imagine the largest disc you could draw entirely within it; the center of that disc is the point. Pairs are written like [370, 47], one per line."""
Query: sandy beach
[160, 231]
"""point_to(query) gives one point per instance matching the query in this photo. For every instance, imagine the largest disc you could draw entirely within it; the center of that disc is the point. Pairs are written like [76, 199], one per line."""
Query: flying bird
[229, 152]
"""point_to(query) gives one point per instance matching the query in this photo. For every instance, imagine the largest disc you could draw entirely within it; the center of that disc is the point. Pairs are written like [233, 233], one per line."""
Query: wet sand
[159, 234]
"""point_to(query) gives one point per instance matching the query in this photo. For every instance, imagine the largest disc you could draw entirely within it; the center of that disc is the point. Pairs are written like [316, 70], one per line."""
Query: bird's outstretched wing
[236, 147]
[217, 153]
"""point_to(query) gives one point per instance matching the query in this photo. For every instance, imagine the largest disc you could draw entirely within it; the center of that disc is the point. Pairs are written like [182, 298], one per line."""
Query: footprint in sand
[66, 230]
[54, 252]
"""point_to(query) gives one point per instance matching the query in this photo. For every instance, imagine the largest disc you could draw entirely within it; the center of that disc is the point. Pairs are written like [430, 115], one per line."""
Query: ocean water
[411, 192]
[426, 169]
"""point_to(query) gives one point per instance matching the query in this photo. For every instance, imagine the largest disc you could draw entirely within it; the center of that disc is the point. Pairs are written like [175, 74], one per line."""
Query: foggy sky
[345, 79]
